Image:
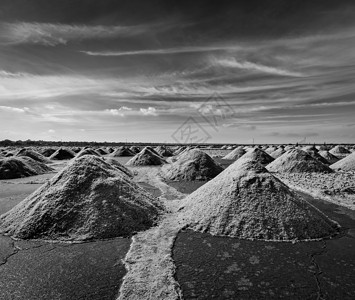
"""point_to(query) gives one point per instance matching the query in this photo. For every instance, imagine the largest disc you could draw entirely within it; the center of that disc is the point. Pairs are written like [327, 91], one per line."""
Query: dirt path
[149, 263]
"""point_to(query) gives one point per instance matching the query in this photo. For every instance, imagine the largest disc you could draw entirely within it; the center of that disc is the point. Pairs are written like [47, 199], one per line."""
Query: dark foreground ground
[211, 267]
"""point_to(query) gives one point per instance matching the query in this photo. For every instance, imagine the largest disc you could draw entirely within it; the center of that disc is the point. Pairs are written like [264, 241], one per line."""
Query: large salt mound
[146, 158]
[192, 165]
[318, 157]
[246, 201]
[235, 154]
[32, 154]
[122, 151]
[258, 155]
[297, 161]
[345, 164]
[18, 167]
[339, 151]
[62, 154]
[89, 199]
[328, 156]
[48, 152]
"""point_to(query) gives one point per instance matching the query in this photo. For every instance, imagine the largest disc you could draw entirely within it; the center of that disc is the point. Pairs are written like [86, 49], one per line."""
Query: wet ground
[210, 267]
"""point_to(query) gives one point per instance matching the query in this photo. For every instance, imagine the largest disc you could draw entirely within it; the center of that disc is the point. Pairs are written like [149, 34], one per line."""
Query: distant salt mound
[32, 154]
[163, 151]
[345, 164]
[192, 165]
[277, 153]
[146, 158]
[258, 155]
[62, 154]
[318, 157]
[86, 151]
[122, 151]
[134, 149]
[310, 148]
[339, 151]
[332, 159]
[248, 202]
[19, 167]
[179, 150]
[118, 166]
[270, 149]
[48, 152]
[235, 154]
[297, 161]
[101, 151]
[89, 199]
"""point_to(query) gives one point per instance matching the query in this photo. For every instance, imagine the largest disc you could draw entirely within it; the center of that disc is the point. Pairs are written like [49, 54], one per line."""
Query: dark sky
[277, 70]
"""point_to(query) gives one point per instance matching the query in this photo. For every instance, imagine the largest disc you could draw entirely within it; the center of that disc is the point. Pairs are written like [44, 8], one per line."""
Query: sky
[243, 71]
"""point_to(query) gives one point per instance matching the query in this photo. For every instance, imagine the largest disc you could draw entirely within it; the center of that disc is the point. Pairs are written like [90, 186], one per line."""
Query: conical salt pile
[122, 151]
[163, 151]
[134, 149]
[89, 199]
[246, 201]
[32, 154]
[192, 165]
[345, 164]
[297, 161]
[118, 166]
[277, 153]
[332, 159]
[270, 149]
[258, 155]
[48, 152]
[18, 167]
[62, 154]
[317, 156]
[339, 151]
[101, 151]
[235, 154]
[310, 148]
[87, 151]
[146, 158]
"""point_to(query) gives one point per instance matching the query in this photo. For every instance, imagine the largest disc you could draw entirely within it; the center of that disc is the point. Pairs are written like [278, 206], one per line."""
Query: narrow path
[149, 263]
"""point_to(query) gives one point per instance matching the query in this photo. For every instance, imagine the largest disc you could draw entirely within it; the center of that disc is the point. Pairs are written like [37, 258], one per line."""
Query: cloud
[150, 111]
[49, 34]
[246, 65]
[7, 74]
[119, 112]
[13, 109]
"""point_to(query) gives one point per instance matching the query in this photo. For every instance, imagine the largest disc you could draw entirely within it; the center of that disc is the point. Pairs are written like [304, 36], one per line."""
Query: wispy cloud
[246, 65]
[49, 34]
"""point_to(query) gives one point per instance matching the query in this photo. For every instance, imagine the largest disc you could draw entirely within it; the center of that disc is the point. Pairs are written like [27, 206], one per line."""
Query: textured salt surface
[89, 199]
[248, 202]
[62, 154]
[257, 155]
[235, 154]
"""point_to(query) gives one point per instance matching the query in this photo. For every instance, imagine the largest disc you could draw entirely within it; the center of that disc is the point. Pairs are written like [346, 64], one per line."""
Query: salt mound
[192, 165]
[89, 199]
[328, 156]
[310, 148]
[277, 153]
[179, 150]
[48, 152]
[32, 154]
[62, 154]
[246, 201]
[235, 154]
[118, 166]
[146, 158]
[318, 157]
[101, 151]
[134, 149]
[345, 164]
[339, 151]
[163, 151]
[87, 151]
[258, 155]
[122, 151]
[297, 161]
[18, 167]
[270, 149]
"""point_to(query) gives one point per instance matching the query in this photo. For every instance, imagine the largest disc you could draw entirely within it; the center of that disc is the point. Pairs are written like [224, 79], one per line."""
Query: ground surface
[208, 267]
